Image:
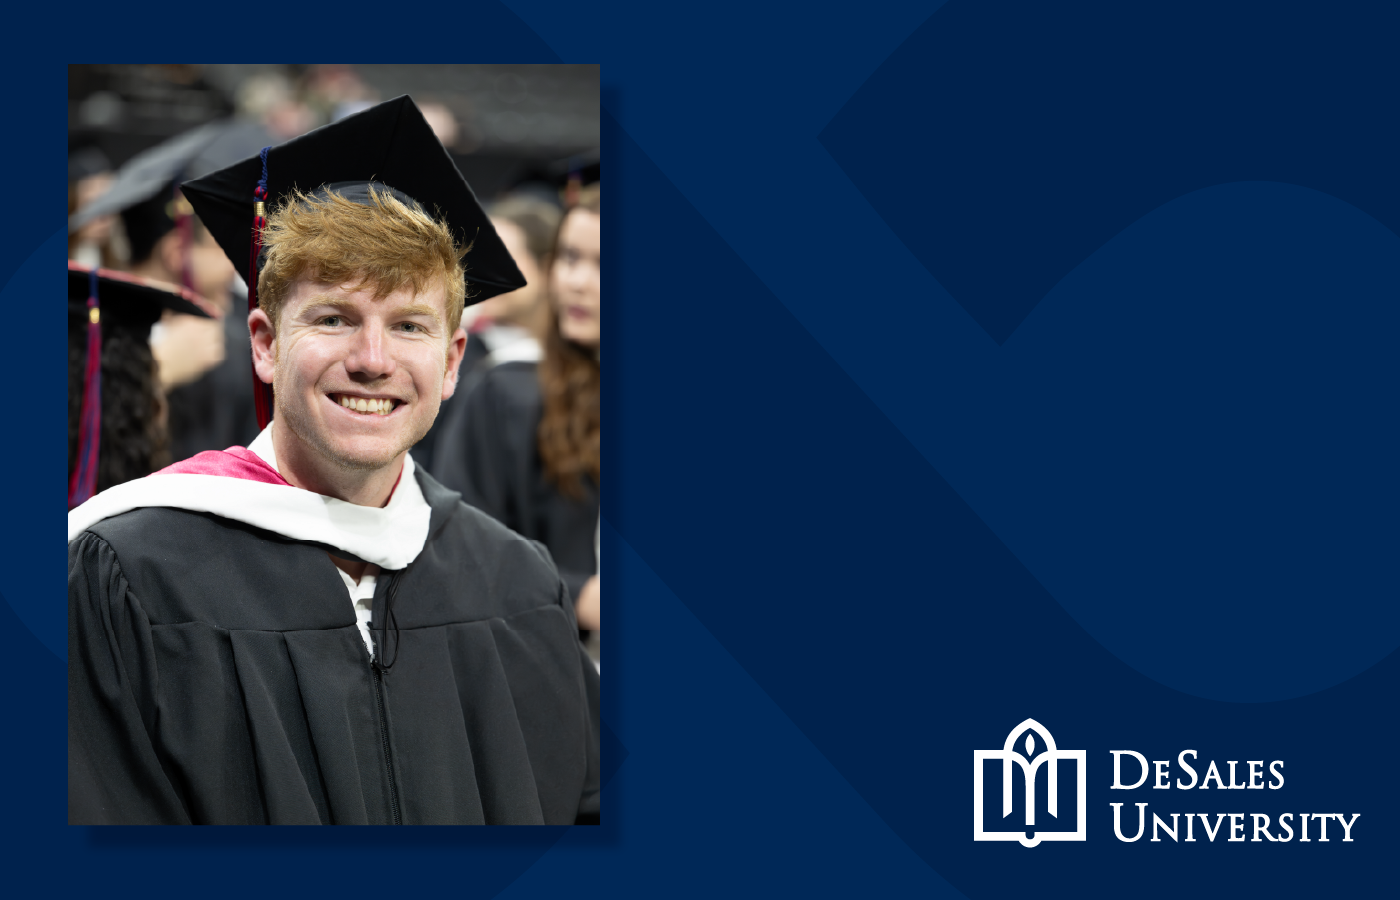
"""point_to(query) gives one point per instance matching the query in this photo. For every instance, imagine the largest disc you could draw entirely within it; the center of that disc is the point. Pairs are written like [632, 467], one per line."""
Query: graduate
[311, 630]
[203, 366]
[116, 422]
[507, 327]
[524, 445]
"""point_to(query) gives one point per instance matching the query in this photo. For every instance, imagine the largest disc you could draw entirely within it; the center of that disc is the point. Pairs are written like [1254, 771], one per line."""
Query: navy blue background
[966, 364]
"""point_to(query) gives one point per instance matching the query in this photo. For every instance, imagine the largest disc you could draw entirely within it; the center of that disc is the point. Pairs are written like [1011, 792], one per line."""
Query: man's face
[359, 380]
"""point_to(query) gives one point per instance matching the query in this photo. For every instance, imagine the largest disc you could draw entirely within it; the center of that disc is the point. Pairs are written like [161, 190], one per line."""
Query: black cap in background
[129, 301]
[581, 168]
[196, 152]
[143, 190]
[557, 181]
[101, 299]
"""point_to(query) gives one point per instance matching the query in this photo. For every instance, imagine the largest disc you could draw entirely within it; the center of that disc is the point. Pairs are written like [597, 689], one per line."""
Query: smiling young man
[362, 343]
[312, 630]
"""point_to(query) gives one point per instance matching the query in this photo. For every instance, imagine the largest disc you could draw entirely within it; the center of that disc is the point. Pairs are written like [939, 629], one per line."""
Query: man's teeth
[360, 404]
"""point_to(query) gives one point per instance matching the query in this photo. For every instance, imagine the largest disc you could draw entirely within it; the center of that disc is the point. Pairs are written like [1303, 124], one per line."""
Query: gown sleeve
[114, 772]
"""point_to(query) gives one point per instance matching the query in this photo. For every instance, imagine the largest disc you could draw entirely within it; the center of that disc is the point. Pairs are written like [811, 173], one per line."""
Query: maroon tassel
[83, 482]
[262, 391]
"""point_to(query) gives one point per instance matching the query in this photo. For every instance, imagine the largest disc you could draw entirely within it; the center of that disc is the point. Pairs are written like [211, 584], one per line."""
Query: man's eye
[331, 321]
[410, 327]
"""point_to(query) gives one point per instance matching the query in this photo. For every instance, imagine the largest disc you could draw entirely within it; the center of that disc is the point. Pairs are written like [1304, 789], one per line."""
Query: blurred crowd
[520, 437]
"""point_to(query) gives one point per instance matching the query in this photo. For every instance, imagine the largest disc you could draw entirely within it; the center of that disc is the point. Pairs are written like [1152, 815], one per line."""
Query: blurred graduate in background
[116, 410]
[89, 177]
[524, 444]
[508, 327]
[203, 364]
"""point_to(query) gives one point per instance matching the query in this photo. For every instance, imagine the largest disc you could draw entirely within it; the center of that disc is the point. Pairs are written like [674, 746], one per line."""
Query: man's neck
[303, 467]
[353, 568]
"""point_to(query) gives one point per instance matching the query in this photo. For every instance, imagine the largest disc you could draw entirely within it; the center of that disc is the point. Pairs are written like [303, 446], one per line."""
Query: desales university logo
[1030, 766]
[1031, 763]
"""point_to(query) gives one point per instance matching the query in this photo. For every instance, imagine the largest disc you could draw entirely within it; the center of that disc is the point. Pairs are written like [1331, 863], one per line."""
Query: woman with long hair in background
[525, 448]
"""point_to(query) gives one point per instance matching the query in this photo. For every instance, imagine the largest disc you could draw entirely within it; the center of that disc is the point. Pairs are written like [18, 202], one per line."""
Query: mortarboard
[562, 178]
[103, 296]
[389, 146]
[143, 191]
[196, 152]
[575, 172]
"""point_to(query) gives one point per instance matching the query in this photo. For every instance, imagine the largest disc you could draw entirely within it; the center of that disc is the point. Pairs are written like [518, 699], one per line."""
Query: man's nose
[369, 355]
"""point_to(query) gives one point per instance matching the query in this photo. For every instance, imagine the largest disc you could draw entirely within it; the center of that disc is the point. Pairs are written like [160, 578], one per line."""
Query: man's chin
[358, 453]
[361, 456]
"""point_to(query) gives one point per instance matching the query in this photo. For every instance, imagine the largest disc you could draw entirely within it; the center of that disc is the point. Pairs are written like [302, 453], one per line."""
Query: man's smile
[370, 406]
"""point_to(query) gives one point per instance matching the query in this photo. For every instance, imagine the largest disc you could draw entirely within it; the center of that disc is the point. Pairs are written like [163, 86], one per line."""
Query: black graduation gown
[216, 411]
[488, 451]
[216, 675]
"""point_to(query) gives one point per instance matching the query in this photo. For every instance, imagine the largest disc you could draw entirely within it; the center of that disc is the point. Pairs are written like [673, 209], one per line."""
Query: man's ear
[264, 345]
[455, 349]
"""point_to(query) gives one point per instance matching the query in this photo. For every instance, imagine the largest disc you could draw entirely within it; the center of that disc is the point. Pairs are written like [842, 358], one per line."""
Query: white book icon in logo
[1030, 764]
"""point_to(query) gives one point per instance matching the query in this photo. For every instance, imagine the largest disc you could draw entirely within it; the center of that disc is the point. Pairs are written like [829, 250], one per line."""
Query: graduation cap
[190, 154]
[143, 191]
[576, 171]
[564, 177]
[386, 147]
[119, 300]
